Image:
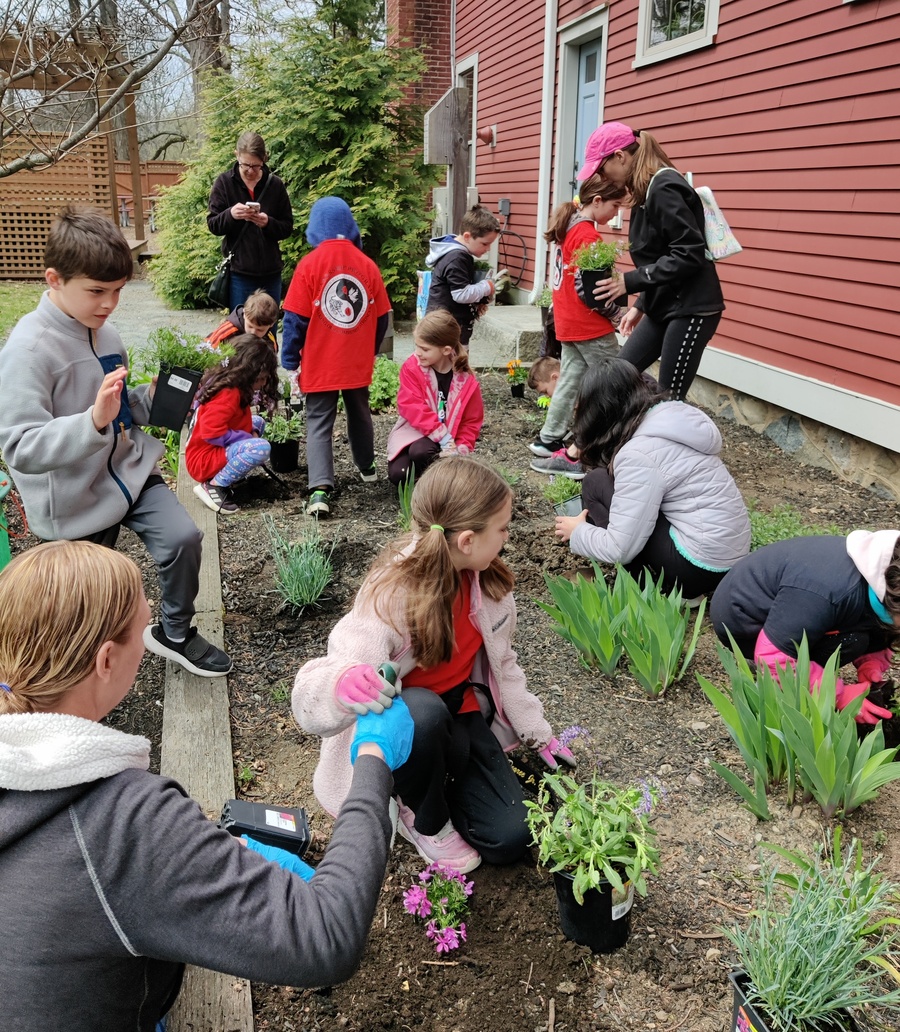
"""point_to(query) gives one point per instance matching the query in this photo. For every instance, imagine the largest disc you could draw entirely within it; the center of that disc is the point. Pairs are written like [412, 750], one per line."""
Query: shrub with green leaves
[785, 732]
[560, 489]
[784, 521]
[280, 429]
[385, 384]
[303, 568]
[333, 108]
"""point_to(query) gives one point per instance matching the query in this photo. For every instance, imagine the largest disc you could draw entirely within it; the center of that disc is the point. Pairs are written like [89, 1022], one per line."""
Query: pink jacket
[361, 637]
[417, 403]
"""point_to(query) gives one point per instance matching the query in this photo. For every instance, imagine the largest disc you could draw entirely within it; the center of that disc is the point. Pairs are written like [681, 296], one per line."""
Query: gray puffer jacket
[672, 465]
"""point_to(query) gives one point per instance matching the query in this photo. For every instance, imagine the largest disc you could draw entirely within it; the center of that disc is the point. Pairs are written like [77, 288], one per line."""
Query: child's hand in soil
[869, 712]
[553, 751]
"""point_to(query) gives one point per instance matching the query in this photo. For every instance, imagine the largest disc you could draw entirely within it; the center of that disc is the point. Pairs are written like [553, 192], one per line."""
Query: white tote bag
[721, 242]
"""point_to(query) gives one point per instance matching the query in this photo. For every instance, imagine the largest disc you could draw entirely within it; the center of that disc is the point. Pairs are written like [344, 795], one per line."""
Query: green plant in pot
[565, 496]
[596, 262]
[819, 945]
[544, 297]
[482, 269]
[182, 359]
[598, 843]
[283, 434]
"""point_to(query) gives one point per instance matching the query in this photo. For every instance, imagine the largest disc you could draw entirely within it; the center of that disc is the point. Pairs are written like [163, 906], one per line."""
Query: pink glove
[362, 690]
[553, 751]
[874, 666]
[870, 713]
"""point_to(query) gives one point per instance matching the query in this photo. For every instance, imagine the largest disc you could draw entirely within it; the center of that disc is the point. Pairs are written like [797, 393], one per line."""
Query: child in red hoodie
[335, 317]
[439, 401]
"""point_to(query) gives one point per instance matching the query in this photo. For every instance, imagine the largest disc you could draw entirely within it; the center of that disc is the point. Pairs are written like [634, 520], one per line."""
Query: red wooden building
[790, 110]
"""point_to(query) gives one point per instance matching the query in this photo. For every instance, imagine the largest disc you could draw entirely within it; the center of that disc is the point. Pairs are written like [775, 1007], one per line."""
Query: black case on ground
[284, 827]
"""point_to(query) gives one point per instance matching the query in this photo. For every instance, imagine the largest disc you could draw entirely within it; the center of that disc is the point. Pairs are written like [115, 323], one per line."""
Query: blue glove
[289, 861]
[392, 731]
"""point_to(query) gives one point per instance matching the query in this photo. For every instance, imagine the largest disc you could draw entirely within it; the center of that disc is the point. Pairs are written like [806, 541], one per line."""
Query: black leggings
[419, 455]
[677, 343]
[457, 770]
[659, 555]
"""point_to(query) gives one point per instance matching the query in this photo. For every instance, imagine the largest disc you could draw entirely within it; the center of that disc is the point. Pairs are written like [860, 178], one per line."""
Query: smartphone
[253, 205]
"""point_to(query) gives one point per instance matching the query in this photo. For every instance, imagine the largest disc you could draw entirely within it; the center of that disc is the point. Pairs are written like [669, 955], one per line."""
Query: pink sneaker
[447, 847]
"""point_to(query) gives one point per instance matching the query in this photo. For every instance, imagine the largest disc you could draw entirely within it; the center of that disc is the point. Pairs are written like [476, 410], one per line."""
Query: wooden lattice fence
[30, 200]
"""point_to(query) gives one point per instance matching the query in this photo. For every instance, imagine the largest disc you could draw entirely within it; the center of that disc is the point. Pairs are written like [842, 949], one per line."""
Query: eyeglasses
[249, 168]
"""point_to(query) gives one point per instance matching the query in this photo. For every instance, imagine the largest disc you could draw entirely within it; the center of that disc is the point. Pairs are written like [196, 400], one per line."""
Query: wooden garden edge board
[196, 752]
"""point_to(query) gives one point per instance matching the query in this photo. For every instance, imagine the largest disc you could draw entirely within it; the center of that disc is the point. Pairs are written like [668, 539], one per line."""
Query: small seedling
[560, 489]
[280, 692]
[404, 496]
[245, 775]
[511, 476]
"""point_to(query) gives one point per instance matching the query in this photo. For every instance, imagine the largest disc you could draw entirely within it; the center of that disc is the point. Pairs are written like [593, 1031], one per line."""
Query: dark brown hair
[455, 494]
[439, 329]
[252, 357]
[593, 186]
[479, 222]
[252, 143]
[86, 242]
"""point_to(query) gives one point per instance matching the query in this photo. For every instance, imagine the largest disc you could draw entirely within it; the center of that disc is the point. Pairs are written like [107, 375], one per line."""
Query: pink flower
[416, 901]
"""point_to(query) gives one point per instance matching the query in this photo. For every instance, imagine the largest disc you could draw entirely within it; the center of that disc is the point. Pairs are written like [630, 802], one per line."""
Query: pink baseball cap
[610, 137]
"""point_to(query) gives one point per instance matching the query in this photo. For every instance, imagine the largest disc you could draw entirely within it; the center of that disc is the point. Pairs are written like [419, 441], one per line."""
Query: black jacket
[668, 247]
[257, 252]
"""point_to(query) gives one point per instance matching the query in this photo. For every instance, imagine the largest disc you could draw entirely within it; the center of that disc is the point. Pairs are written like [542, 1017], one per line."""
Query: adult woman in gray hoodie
[658, 497]
[111, 878]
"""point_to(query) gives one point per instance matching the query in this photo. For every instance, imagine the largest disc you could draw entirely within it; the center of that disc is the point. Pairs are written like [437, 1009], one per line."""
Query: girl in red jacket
[439, 401]
[225, 443]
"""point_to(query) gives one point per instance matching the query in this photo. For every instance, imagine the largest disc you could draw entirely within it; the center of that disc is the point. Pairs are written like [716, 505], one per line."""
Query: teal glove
[289, 861]
[392, 731]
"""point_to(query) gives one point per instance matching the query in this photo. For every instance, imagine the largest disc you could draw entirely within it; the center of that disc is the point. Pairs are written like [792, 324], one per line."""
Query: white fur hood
[42, 751]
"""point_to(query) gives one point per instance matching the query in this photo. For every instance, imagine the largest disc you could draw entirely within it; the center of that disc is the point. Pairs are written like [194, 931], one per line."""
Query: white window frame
[647, 55]
[470, 64]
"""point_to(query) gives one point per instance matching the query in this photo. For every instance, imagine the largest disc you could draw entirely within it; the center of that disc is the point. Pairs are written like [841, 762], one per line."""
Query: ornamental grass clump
[820, 943]
[169, 348]
[441, 899]
[302, 568]
[788, 733]
[595, 831]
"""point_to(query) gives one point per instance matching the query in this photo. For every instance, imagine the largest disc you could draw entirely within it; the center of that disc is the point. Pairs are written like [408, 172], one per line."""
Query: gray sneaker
[195, 653]
[559, 464]
[216, 498]
[318, 504]
[544, 449]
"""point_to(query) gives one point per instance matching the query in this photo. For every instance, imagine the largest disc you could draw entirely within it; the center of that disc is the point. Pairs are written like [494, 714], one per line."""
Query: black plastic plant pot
[570, 507]
[589, 279]
[285, 456]
[745, 1017]
[602, 922]
[175, 390]
[517, 390]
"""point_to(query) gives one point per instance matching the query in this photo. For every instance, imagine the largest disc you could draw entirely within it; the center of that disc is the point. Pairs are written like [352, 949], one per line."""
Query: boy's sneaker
[559, 464]
[318, 504]
[447, 847]
[370, 475]
[195, 653]
[544, 449]
[215, 498]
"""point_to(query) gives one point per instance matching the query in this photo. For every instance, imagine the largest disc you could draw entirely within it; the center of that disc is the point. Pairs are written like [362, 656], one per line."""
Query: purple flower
[569, 734]
[416, 901]
[649, 795]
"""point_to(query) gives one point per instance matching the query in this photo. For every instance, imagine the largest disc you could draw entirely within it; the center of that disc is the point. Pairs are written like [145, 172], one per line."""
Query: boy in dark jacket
[258, 316]
[452, 263]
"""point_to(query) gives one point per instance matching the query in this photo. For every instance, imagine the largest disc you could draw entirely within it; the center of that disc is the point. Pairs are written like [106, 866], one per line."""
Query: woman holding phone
[250, 208]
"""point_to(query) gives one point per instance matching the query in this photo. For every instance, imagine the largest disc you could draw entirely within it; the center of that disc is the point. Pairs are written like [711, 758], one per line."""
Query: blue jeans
[242, 286]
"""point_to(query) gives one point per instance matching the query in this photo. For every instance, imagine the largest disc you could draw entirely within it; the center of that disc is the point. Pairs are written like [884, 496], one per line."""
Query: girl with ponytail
[435, 618]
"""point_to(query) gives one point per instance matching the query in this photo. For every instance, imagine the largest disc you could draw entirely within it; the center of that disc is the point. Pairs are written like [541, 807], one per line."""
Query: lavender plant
[441, 898]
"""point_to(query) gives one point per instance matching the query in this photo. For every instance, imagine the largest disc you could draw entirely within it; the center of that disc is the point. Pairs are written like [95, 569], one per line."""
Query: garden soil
[516, 972]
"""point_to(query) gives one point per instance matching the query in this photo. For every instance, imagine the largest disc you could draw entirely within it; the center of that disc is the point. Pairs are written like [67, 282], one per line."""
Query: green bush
[332, 109]
[385, 384]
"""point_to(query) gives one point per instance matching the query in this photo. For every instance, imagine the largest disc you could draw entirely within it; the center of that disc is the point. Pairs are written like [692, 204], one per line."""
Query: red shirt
[223, 412]
[341, 292]
[573, 319]
[467, 642]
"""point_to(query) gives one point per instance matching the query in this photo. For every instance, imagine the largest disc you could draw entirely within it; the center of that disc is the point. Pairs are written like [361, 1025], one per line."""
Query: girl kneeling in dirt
[438, 607]
[842, 593]
[657, 496]
[111, 878]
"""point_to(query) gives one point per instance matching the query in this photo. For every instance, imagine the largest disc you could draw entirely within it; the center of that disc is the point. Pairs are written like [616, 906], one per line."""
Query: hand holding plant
[441, 899]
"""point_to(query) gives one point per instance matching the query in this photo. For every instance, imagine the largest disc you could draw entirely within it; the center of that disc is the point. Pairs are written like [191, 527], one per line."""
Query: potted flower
[596, 262]
[516, 375]
[283, 434]
[565, 494]
[819, 945]
[598, 843]
[182, 359]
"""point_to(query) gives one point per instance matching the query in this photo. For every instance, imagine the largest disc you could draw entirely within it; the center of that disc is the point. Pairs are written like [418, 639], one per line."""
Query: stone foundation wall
[854, 460]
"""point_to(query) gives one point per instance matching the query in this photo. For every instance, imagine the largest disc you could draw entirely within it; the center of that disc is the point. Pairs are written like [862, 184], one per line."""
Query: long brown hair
[253, 356]
[59, 602]
[649, 158]
[419, 587]
[593, 186]
[439, 329]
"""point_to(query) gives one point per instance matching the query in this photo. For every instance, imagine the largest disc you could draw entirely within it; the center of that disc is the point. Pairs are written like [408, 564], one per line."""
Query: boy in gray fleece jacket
[69, 429]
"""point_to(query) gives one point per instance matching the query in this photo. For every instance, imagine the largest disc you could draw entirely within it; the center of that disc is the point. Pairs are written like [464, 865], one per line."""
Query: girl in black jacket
[679, 300]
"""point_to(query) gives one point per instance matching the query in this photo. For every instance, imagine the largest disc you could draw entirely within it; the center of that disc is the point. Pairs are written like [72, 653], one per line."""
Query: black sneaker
[195, 653]
[318, 504]
[370, 475]
[215, 498]
[544, 449]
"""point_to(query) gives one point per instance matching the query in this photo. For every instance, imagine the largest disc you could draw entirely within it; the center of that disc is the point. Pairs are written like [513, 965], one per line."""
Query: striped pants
[678, 345]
